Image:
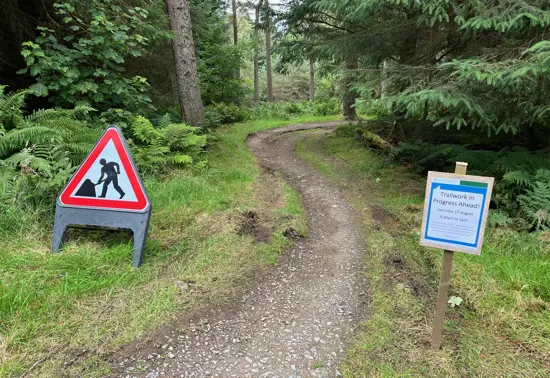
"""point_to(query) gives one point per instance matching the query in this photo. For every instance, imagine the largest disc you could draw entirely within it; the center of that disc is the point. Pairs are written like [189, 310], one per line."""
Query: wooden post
[444, 282]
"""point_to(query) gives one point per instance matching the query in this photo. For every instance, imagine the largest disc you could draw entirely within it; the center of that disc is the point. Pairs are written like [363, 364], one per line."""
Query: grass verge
[502, 328]
[61, 315]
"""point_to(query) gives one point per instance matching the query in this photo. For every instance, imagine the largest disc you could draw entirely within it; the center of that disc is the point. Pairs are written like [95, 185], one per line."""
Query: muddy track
[298, 320]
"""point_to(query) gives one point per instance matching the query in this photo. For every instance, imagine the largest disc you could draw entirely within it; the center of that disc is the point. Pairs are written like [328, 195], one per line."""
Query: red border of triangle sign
[113, 134]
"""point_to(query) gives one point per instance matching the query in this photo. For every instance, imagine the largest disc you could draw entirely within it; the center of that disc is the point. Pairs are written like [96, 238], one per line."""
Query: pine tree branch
[329, 24]
[339, 20]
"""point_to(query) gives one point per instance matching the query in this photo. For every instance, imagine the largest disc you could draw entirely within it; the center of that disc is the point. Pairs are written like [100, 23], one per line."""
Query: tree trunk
[256, 54]
[268, 53]
[185, 61]
[384, 84]
[235, 31]
[349, 94]
[349, 101]
[311, 80]
[533, 141]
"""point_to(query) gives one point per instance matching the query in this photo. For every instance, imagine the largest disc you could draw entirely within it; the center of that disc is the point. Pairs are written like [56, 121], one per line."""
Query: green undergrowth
[64, 313]
[503, 326]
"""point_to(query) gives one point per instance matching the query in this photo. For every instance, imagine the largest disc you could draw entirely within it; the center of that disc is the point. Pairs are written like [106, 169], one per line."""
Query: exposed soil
[294, 322]
[251, 225]
[381, 215]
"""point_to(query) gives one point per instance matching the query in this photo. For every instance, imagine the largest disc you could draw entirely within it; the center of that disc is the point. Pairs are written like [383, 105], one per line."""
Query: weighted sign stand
[137, 222]
[444, 282]
[105, 191]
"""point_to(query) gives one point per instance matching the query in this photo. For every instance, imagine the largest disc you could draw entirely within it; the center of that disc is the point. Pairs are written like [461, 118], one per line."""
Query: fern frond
[165, 120]
[11, 115]
[25, 159]
[535, 203]
[13, 101]
[43, 115]
[180, 160]
[144, 130]
[18, 139]
[520, 178]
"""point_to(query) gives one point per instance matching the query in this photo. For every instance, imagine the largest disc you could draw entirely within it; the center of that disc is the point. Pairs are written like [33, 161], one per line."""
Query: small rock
[291, 233]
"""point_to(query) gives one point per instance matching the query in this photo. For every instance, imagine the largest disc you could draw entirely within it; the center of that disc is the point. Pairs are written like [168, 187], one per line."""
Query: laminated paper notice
[455, 211]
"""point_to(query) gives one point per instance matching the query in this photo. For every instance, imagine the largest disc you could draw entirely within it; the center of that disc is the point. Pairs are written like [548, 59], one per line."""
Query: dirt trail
[298, 320]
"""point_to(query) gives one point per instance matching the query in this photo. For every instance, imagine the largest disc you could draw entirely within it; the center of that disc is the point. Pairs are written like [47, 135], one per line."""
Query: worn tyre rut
[299, 319]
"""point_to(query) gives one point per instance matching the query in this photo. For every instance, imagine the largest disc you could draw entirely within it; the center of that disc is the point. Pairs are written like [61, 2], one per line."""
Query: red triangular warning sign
[107, 179]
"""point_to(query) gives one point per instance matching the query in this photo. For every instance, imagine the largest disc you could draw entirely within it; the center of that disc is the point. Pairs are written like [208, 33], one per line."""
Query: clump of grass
[318, 365]
[89, 297]
[502, 327]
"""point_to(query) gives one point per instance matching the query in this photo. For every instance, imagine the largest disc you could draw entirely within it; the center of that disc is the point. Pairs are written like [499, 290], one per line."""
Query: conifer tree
[455, 63]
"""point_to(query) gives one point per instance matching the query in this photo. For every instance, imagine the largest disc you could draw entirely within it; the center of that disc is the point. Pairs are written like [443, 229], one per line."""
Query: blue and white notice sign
[455, 212]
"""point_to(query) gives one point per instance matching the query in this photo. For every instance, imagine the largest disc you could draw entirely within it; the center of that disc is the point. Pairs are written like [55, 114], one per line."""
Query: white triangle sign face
[107, 179]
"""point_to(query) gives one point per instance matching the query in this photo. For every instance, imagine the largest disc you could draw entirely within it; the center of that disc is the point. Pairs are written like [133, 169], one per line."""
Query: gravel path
[298, 320]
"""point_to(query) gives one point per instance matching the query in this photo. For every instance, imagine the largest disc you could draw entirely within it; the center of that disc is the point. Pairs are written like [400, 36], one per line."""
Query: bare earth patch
[295, 321]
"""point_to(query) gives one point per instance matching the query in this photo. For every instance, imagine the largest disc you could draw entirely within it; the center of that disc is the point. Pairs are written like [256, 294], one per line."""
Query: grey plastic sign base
[137, 222]
[105, 191]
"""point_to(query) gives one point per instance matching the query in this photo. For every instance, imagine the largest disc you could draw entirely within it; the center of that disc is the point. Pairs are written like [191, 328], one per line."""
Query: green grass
[503, 326]
[318, 365]
[89, 297]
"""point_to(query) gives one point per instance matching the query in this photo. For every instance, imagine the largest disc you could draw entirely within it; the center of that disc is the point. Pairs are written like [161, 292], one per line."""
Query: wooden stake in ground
[186, 62]
[444, 282]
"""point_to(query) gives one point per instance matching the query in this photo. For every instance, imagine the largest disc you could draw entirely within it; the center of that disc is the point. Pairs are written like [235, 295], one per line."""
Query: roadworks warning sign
[107, 179]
